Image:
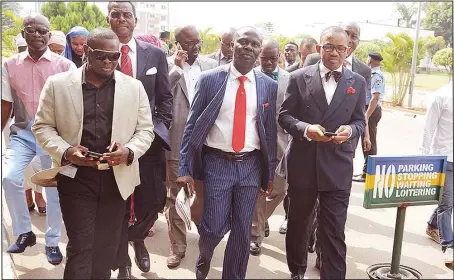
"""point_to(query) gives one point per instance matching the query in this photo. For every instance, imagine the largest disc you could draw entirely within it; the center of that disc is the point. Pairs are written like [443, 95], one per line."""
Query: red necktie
[239, 120]
[126, 64]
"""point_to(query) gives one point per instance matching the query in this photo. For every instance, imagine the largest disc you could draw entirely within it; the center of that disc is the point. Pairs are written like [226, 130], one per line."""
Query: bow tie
[337, 75]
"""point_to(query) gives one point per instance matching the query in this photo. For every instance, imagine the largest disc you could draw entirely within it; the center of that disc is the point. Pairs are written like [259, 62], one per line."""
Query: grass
[426, 82]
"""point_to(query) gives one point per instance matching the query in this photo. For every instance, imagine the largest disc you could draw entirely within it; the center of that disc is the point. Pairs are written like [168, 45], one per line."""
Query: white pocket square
[152, 71]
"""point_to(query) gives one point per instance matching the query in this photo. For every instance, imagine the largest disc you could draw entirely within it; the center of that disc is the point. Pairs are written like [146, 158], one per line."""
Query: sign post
[401, 182]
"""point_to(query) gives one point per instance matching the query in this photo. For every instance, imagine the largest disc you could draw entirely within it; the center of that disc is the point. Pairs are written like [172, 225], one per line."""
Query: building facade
[152, 17]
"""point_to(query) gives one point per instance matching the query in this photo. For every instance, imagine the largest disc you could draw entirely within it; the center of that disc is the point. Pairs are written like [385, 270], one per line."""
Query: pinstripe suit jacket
[209, 95]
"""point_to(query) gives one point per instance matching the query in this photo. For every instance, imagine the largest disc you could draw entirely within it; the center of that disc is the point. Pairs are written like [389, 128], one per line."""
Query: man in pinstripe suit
[230, 142]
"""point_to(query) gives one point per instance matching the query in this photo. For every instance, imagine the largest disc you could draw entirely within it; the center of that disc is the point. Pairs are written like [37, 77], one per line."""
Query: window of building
[163, 28]
[152, 5]
[163, 7]
[163, 17]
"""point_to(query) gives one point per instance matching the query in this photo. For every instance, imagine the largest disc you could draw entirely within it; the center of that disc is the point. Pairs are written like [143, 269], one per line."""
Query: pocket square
[151, 71]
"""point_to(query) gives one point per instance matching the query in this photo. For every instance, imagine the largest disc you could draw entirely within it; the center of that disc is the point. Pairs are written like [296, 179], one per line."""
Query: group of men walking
[131, 127]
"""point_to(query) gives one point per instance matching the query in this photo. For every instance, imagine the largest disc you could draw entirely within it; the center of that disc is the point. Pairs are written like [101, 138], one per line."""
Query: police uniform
[377, 85]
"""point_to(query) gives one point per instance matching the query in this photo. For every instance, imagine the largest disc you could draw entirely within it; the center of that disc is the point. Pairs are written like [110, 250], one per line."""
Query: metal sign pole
[398, 239]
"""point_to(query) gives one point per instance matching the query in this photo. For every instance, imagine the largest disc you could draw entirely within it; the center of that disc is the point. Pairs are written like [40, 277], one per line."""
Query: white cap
[57, 37]
[20, 41]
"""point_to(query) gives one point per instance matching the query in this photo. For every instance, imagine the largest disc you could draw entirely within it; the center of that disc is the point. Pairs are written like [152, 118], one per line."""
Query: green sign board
[406, 180]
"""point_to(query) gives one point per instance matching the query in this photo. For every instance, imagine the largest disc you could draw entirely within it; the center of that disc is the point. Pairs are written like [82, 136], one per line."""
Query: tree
[439, 18]
[282, 41]
[397, 57]
[444, 58]
[406, 12]
[64, 16]
[10, 33]
[210, 41]
[432, 45]
[363, 50]
[11, 6]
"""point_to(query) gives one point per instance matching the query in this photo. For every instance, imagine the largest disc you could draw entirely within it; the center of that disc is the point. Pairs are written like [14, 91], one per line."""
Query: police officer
[373, 108]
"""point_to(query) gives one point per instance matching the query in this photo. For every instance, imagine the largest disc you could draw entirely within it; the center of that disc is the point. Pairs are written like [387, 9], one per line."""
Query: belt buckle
[103, 166]
[238, 157]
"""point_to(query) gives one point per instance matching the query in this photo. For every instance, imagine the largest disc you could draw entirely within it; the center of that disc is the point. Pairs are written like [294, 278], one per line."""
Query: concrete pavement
[369, 233]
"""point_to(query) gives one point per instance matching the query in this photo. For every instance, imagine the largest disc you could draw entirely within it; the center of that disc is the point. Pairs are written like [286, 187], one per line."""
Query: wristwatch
[130, 157]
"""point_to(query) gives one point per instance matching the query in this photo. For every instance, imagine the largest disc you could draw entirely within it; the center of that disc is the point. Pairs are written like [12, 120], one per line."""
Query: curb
[8, 265]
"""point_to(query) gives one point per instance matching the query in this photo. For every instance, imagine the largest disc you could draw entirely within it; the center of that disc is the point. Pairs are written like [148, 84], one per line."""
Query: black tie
[337, 75]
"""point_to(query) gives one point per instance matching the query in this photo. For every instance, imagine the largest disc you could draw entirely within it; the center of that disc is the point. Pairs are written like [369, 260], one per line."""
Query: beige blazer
[59, 120]
[180, 110]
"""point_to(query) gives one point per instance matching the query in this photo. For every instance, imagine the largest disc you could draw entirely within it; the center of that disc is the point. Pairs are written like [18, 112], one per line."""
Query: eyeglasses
[117, 15]
[331, 47]
[191, 44]
[227, 45]
[272, 59]
[30, 30]
[244, 42]
[102, 54]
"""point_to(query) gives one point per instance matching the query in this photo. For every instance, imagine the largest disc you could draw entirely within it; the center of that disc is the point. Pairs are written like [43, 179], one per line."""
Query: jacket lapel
[142, 58]
[75, 89]
[315, 86]
[341, 92]
[183, 86]
[118, 103]
[260, 86]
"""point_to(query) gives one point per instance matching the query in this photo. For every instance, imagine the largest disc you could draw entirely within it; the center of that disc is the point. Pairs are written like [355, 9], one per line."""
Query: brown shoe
[174, 260]
[433, 234]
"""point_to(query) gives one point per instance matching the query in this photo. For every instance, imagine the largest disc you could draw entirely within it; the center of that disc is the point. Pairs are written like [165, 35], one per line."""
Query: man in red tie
[230, 141]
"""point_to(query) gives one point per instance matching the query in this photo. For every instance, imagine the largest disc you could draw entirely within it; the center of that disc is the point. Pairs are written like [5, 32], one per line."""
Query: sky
[289, 18]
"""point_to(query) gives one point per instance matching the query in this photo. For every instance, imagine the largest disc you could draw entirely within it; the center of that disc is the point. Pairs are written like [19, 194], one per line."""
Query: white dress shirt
[132, 55]
[191, 75]
[220, 135]
[349, 62]
[329, 87]
[438, 131]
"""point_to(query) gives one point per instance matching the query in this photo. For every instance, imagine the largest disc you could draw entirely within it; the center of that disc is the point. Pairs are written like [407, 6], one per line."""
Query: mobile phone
[330, 134]
[94, 155]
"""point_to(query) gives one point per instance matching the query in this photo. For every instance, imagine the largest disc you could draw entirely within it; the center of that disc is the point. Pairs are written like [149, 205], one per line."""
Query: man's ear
[108, 20]
[318, 48]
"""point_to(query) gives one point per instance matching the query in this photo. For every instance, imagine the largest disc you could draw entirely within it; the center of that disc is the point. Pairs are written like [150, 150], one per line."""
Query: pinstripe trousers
[230, 194]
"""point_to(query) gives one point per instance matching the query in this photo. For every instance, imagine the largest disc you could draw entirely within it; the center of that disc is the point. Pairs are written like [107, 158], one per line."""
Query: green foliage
[406, 12]
[64, 16]
[439, 18]
[444, 58]
[282, 41]
[397, 57]
[363, 50]
[432, 45]
[10, 33]
[6, 21]
[210, 41]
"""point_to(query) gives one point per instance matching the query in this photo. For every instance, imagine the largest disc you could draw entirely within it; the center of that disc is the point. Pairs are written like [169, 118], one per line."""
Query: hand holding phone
[93, 155]
[330, 134]
[181, 56]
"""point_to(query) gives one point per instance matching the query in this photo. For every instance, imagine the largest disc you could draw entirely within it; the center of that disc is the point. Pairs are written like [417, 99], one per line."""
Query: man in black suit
[148, 64]
[325, 97]
[307, 47]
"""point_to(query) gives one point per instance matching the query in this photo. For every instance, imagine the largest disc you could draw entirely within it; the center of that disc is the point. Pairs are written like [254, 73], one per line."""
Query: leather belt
[231, 156]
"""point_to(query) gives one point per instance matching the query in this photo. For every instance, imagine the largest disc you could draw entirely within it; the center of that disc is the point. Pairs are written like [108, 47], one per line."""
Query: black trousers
[93, 211]
[373, 123]
[286, 205]
[149, 200]
[330, 230]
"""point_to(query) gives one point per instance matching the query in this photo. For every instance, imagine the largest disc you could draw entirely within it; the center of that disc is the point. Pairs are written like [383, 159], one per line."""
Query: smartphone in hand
[94, 155]
[330, 134]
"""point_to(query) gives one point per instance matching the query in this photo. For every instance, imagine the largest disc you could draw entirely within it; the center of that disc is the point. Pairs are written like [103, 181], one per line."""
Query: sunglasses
[31, 30]
[117, 15]
[331, 47]
[102, 54]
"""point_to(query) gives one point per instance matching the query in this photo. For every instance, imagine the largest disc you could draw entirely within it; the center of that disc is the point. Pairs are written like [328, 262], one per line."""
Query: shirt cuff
[305, 134]
[178, 69]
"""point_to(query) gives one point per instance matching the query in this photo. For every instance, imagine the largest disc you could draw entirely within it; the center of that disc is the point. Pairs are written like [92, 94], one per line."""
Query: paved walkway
[369, 233]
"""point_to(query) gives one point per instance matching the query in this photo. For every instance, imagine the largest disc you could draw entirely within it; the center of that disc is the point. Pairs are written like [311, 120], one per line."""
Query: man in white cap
[20, 43]
[57, 42]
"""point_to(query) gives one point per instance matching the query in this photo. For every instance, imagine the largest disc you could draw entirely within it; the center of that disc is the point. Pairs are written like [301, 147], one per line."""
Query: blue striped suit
[230, 188]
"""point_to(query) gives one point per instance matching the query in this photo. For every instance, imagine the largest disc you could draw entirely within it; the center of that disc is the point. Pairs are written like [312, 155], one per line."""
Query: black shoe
[142, 257]
[201, 270]
[23, 241]
[124, 272]
[255, 249]
[54, 255]
[298, 276]
[360, 178]
[267, 229]
[317, 263]
[283, 228]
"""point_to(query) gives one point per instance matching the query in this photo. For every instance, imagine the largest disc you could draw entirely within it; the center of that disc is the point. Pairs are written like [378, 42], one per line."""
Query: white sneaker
[449, 253]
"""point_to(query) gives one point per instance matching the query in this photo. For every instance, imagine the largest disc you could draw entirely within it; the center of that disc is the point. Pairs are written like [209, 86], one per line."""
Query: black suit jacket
[294, 67]
[157, 86]
[326, 166]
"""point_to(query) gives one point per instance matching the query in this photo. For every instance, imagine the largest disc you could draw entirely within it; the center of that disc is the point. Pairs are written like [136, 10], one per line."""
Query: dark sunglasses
[117, 15]
[331, 47]
[102, 54]
[31, 30]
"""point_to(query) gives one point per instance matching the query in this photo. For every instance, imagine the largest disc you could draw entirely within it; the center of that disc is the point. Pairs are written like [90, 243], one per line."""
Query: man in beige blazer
[94, 109]
[185, 68]
[265, 206]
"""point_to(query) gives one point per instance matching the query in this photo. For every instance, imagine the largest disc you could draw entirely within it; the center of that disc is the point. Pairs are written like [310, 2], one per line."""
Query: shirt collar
[375, 68]
[350, 60]
[234, 74]
[47, 55]
[324, 70]
[132, 44]
[84, 78]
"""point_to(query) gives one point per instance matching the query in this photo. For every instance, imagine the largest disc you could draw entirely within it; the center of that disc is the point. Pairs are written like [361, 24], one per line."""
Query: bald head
[330, 31]
[182, 31]
[353, 32]
[269, 56]
[188, 38]
[37, 19]
[270, 44]
[36, 33]
[248, 30]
